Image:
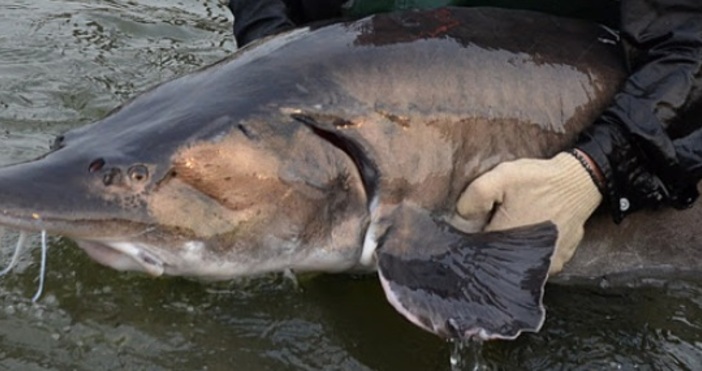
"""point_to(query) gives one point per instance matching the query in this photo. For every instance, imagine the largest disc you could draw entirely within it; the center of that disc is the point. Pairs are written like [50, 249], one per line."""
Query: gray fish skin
[216, 175]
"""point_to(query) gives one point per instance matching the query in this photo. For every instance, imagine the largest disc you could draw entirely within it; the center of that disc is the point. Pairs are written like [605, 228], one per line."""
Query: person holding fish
[644, 151]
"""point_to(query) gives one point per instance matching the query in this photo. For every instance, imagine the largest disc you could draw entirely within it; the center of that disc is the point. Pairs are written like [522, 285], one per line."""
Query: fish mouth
[123, 256]
[118, 252]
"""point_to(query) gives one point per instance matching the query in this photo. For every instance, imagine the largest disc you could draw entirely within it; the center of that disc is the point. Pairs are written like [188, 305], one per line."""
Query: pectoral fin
[485, 285]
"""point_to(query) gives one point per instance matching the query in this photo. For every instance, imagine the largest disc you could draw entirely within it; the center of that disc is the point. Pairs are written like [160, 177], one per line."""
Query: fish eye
[138, 173]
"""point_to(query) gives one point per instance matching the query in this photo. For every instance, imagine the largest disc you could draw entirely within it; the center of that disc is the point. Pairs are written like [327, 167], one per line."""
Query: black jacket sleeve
[254, 19]
[648, 143]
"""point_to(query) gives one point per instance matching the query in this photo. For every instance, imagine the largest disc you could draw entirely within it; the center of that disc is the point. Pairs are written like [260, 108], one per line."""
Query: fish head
[245, 198]
[77, 191]
[266, 195]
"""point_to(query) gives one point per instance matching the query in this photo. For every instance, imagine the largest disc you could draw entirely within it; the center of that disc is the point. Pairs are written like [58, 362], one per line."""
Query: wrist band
[599, 183]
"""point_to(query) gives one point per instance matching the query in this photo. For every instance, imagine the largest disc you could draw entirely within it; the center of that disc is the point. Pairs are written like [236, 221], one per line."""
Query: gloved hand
[530, 191]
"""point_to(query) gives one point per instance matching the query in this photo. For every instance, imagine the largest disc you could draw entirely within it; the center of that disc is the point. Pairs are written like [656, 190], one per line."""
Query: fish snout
[65, 193]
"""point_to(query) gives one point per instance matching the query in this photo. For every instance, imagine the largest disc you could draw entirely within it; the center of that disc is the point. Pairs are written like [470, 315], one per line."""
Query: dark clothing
[601, 11]
[254, 19]
[648, 143]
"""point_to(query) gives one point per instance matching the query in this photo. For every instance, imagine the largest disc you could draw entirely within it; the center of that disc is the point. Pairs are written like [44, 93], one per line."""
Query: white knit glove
[530, 191]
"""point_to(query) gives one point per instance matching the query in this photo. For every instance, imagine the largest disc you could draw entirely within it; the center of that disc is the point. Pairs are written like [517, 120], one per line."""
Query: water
[66, 63]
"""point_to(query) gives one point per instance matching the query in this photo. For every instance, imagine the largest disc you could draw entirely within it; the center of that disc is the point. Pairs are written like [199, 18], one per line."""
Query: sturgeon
[345, 148]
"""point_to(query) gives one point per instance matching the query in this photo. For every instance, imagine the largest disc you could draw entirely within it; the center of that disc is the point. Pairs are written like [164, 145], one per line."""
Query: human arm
[645, 142]
[254, 19]
[647, 145]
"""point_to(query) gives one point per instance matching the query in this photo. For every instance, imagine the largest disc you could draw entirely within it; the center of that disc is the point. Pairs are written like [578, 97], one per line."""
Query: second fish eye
[138, 173]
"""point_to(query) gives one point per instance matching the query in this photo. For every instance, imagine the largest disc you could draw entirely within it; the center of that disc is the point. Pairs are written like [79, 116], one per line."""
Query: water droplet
[467, 355]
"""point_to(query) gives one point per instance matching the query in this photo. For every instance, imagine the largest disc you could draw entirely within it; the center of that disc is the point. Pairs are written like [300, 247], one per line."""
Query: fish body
[345, 148]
